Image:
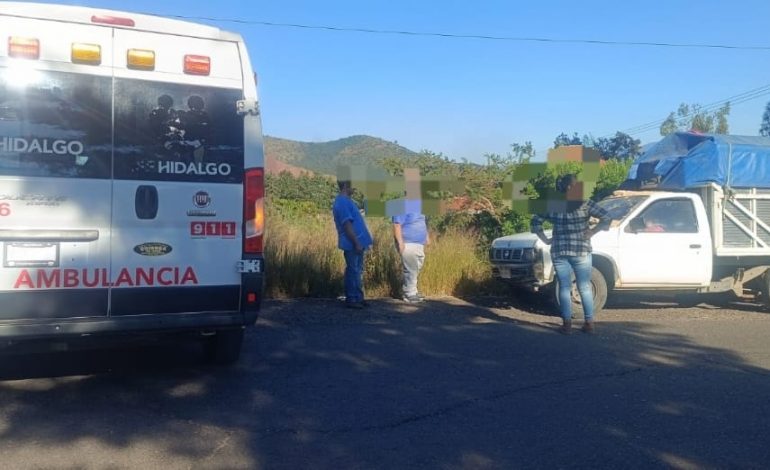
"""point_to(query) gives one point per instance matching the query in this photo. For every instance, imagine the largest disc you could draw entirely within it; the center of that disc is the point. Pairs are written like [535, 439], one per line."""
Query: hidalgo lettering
[44, 146]
[92, 278]
[206, 169]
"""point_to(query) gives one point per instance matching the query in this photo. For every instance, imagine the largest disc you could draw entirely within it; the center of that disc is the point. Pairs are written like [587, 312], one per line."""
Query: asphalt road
[447, 384]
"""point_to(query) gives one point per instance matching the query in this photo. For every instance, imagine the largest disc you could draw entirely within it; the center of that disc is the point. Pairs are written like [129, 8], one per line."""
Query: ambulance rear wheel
[224, 347]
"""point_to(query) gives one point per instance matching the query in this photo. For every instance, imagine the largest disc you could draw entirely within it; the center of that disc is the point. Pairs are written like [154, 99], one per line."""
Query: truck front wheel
[598, 286]
[766, 288]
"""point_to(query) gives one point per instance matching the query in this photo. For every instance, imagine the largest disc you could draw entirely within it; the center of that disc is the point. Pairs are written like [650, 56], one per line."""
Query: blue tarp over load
[687, 160]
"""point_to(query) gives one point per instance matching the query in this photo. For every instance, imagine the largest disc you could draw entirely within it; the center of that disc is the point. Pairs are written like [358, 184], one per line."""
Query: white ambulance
[131, 177]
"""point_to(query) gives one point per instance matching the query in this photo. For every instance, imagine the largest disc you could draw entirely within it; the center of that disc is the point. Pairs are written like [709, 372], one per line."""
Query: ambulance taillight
[254, 211]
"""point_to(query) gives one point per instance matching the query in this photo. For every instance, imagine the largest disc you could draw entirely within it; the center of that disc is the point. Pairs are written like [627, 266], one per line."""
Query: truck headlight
[528, 254]
[538, 270]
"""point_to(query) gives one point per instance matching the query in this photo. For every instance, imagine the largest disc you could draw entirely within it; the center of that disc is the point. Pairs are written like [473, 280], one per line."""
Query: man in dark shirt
[571, 250]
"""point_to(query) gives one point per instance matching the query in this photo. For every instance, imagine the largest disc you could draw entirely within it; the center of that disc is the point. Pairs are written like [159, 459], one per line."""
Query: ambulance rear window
[54, 124]
[177, 132]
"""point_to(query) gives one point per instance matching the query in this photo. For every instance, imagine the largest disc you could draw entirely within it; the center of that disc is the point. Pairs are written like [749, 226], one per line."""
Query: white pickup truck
[702, 240]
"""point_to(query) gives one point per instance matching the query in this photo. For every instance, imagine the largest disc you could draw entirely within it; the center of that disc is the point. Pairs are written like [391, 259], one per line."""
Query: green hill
[324, 157]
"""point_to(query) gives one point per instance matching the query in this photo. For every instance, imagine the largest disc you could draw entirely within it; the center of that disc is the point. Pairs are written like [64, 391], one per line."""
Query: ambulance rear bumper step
[128, 324]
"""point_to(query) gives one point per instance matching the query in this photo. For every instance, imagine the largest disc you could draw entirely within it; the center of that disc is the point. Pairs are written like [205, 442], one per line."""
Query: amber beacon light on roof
[90, 54]
[141, 59]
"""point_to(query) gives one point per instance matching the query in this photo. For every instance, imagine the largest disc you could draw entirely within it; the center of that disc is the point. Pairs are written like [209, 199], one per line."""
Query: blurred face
[347, 189]
[574, 191]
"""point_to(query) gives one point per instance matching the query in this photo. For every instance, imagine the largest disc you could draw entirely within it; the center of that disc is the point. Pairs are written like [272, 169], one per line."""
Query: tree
[314, 191]
[589, 140]
[621, 146]
[521, 153]
[669, 126]
[564, 139]
[429, 163]
[765, 128]
[722, 127]
[611, 175]
[695, 118]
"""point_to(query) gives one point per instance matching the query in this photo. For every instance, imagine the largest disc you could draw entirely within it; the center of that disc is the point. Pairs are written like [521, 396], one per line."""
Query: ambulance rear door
[178, 188]
[55, 169]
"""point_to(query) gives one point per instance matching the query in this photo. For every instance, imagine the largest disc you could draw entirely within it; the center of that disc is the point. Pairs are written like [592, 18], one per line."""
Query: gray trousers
[412, 258]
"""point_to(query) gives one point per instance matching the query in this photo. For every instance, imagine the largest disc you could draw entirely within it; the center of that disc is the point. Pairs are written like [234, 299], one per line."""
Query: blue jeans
[354, 273]
[564, 265]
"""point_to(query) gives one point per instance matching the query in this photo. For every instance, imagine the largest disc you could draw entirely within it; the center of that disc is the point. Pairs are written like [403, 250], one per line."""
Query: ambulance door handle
[146, 202]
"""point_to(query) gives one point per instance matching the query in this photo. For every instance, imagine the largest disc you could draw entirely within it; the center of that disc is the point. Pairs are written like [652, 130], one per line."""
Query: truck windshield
[619, 207]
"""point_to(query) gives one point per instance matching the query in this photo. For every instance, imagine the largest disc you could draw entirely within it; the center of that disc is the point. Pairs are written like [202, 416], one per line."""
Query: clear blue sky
[468, 97]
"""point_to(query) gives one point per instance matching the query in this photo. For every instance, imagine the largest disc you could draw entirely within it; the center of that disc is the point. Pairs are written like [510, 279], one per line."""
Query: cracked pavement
[450, 384]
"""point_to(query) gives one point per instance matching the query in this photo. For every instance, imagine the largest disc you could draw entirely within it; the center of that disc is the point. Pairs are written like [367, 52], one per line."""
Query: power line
[472, 36]
[717, 104]
[733, 100]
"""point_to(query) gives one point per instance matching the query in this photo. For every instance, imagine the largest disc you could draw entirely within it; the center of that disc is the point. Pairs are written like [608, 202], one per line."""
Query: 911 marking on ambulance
[200, 229]
[93, 278]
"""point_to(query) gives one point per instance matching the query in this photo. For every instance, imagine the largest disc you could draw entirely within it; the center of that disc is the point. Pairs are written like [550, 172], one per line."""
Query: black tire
[765, 289]
[224, 347]
[599, 285]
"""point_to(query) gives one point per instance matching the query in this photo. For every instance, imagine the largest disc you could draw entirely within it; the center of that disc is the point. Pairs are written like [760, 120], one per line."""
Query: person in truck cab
[651, 225]
[571, 248]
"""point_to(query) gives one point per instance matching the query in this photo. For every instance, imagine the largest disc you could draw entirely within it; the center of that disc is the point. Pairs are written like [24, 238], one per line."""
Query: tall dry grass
[454, 265]
[302, 260]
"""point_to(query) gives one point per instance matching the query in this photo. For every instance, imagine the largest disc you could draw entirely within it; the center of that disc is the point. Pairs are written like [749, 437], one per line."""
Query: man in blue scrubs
[353, 239]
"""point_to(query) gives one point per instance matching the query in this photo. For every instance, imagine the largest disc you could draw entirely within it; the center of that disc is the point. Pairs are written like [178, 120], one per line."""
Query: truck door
[671, 245]
[178, 189]
[55, 169]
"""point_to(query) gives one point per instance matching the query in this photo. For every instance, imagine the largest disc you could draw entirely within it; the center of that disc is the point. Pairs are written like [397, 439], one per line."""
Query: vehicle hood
[520, 240]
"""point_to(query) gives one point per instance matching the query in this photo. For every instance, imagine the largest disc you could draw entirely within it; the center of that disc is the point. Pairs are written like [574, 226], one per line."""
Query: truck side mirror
[636, 225]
